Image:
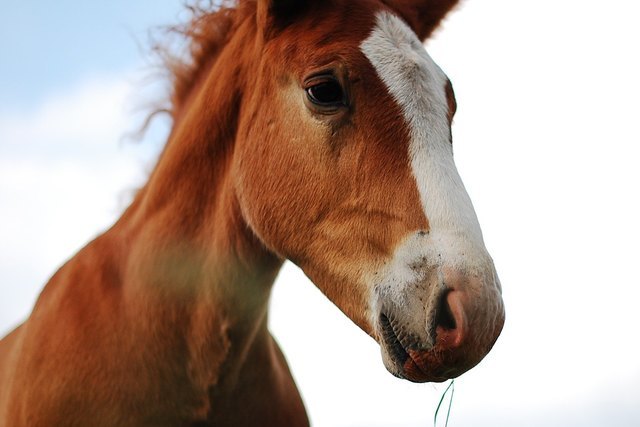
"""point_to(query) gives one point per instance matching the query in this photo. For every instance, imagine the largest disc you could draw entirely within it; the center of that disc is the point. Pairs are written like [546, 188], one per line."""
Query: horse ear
[273, 15]
[424, 16]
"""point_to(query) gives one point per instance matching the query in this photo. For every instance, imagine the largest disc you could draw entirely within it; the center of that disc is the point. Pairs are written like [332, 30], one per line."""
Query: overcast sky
[546, 139]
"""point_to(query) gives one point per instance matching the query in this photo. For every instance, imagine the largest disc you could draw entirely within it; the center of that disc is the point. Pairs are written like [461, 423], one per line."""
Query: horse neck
[192, 258]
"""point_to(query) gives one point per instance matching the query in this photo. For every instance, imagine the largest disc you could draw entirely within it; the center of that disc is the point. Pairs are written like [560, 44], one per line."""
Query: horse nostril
[450, 320]
[444, 317]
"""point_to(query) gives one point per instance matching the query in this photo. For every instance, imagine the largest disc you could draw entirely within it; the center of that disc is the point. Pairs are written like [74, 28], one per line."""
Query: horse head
[343, 164]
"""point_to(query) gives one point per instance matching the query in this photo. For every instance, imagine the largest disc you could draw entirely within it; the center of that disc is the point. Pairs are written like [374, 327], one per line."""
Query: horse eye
[326, 93]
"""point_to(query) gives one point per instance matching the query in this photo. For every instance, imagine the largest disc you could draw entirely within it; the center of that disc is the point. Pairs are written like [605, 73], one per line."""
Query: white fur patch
[418, 86]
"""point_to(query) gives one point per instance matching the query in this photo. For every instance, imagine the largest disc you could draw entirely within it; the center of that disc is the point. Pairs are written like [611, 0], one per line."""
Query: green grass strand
[451, 387]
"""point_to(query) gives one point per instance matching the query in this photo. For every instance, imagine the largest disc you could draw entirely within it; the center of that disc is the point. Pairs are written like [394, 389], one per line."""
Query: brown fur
[162, 319]
[423, 16]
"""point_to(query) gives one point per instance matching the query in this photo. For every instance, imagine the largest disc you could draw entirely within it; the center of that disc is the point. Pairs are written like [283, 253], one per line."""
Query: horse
[318, 132]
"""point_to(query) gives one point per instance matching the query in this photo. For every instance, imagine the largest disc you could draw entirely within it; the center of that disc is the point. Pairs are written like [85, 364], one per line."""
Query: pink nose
[451, 321]
[467, 324]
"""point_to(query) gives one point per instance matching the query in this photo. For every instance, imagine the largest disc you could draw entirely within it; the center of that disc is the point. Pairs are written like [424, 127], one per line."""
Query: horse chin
[415, 374]
[414, 368]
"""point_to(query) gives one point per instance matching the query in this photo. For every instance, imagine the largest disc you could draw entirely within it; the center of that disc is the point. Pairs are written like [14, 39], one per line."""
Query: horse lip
[414, 372]
[407, 359]
[390, 339]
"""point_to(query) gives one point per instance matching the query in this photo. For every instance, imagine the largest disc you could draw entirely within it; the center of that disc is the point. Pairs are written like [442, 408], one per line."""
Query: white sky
[547, 142]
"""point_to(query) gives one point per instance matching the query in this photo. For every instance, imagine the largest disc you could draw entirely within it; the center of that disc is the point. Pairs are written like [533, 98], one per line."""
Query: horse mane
[209, 27]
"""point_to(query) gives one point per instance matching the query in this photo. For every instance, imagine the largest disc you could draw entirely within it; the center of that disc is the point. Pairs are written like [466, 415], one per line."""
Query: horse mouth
[391, 340]
[407, 363]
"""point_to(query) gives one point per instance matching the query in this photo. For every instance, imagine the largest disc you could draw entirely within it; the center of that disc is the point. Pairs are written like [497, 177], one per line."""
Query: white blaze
[418, 86]
[454, 241]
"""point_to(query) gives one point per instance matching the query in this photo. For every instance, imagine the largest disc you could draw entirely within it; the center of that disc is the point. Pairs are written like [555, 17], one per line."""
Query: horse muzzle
[439, 326]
